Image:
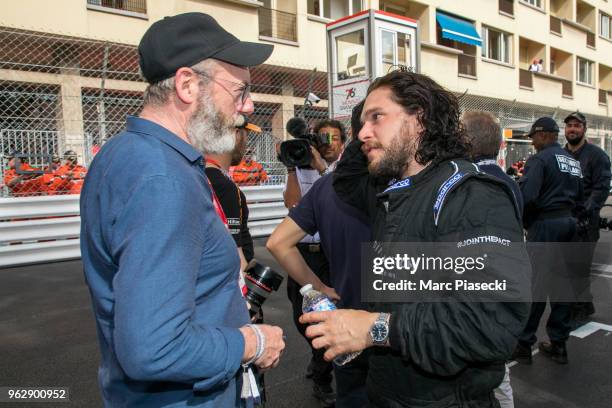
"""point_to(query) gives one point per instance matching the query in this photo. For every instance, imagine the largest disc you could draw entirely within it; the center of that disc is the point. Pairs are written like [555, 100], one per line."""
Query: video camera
[296, 152]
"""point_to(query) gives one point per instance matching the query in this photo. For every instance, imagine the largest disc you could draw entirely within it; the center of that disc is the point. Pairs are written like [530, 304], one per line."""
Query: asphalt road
[48, 338]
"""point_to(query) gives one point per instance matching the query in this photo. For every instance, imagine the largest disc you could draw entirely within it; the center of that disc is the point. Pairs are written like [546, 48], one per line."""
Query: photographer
[329, 137]
[324, 156]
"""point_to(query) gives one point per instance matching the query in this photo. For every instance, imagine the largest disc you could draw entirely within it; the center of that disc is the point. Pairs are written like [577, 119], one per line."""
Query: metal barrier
[45, 229]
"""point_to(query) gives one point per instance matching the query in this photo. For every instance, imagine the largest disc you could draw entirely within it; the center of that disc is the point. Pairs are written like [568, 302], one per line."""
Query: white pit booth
[363, 47]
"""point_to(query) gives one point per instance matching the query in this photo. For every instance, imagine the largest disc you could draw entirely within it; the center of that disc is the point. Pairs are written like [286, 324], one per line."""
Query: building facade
[69, 73]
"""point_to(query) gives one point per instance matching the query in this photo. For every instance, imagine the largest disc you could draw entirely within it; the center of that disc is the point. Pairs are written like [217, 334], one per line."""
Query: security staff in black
[551, 187]
[595, 165]
[448, 353]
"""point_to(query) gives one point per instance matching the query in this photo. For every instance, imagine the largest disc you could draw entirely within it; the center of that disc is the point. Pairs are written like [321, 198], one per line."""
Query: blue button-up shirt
[162, 270]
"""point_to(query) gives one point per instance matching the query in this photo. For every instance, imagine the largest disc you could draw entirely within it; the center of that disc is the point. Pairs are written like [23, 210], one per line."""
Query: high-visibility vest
[25, 187]
[62, 183]
[248, 173]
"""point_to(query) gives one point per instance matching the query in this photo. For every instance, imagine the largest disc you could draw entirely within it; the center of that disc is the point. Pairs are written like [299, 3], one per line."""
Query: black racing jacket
[442, 354]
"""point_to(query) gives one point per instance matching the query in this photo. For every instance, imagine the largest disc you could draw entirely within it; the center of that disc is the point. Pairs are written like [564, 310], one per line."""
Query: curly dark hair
[443, 136]
[332, 124]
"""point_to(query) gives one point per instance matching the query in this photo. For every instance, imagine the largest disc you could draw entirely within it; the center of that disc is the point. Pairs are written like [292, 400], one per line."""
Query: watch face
[380, 331]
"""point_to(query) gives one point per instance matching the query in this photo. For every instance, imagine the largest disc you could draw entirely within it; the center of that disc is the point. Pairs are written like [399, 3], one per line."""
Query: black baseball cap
[576, 115]
[186, 39]
[544, 124]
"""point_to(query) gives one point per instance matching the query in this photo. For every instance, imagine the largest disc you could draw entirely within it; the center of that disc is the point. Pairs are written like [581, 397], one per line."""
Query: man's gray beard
[395, 159]
[208, 131]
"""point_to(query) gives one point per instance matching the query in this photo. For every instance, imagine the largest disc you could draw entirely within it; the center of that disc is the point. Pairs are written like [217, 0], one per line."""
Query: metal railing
[590, 39]
[603, 96]
[277, 24]
[506, 6]
[44, 229]
[555, 24]
[135, 6]
[567, 88]
[467, 64]
[525, 78]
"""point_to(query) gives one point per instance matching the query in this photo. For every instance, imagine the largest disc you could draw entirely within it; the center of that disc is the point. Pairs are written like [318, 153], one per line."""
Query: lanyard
[217, 204]
[221, 214]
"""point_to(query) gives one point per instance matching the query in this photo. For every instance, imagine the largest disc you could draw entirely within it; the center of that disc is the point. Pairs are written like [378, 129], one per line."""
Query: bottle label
[322, 305]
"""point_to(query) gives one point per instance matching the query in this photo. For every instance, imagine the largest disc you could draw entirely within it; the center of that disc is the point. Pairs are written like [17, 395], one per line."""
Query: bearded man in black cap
[595, 165]
[161, 266]
[551, 187]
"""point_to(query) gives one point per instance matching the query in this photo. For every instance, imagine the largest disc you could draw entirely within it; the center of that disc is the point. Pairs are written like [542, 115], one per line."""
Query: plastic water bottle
[315, 301]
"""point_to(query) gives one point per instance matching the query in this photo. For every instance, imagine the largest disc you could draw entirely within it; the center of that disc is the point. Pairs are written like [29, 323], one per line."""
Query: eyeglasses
[242, 87]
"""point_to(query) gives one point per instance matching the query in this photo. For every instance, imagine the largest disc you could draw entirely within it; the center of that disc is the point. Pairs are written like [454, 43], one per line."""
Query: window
[496, 45]
[506, 6]
[605, 26]
[395, 50]
[585, 71]
[334, 9]
[136, 6]
[535, 3]
[351, 55]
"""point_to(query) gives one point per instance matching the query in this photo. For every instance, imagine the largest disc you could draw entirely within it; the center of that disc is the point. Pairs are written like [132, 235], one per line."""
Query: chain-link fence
[516, 119]
[60, 94]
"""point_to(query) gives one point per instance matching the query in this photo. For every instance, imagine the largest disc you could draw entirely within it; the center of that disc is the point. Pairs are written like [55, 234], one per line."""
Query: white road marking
[604, 268]
[590, 328]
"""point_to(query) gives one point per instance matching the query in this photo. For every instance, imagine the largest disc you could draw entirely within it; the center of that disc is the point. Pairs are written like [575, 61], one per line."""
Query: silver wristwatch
[379, 332]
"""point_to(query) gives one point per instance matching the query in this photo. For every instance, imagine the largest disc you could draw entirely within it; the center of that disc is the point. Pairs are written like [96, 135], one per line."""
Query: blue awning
[456, 29]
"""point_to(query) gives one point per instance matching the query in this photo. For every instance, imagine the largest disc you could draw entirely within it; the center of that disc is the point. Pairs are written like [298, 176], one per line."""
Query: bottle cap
[305, 289]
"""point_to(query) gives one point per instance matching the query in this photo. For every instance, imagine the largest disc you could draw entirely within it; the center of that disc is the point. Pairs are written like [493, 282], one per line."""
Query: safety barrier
[44, 229]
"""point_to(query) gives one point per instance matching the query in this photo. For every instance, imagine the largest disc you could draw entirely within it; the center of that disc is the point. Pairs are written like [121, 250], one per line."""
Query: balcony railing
[277, 24]
[467, 64]
[555, 24]
[526, 78]
[590, 39]
[134, 6]
[603, 96]
[566, 89]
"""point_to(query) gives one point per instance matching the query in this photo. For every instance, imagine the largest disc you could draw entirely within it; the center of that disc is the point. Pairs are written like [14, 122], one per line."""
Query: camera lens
[297, 153]
[261, 281]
